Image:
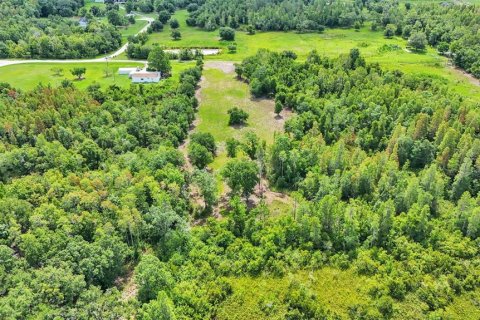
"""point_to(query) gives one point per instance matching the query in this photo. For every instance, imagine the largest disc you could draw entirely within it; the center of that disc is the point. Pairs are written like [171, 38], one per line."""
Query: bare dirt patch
[225, 66]
[467, 75]
[127, 286]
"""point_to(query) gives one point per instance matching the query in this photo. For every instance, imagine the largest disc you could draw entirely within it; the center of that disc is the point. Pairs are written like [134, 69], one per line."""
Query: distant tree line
[284, 15]
[24, 35]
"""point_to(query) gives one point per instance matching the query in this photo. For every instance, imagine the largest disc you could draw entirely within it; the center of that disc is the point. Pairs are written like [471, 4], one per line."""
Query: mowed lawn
[132, 29]
[29, 75]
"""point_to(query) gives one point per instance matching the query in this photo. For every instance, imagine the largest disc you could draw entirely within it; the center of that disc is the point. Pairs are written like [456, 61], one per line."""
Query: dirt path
[465, 74]
[184, 146]
[126, 284]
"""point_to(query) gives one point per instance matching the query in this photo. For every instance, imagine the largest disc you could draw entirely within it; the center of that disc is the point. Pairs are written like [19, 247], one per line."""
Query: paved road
[8, 62]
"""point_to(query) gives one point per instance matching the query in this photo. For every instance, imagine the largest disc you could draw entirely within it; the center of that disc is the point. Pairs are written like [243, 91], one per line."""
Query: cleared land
[260, 298]
[29, 75]
[390, 53]
[221, 91]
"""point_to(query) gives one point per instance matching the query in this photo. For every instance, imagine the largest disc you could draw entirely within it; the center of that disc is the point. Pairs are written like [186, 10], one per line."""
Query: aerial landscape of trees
[276, 15]
[41, 31]
[116, 203]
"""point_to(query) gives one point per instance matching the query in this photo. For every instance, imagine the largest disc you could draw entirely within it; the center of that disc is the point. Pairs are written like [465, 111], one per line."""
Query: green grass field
[252, 297]
[336, 290]
[222, 91]
[29, 75]
[132, 29]
[331, 43]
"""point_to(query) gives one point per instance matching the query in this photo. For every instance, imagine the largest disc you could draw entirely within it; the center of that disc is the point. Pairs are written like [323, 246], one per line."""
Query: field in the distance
[29, 75]
[390, 53]
[220, 91]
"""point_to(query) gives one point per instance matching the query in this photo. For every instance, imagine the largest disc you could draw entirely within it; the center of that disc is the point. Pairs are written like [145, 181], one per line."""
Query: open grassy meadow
[132, 29]
[29, 75]
[390, 53]
[220, 91]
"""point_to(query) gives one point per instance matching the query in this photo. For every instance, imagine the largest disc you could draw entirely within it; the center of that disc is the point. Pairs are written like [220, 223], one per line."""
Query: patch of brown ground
[127, 286]
[467, 75]
[225, 66]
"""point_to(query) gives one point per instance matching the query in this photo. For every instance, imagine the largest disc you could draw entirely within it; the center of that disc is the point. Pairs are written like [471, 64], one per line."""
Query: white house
[127, 70]
[145, 76]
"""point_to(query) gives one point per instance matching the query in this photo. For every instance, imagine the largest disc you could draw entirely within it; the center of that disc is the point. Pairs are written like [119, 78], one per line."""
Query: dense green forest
[275, 15]
[39, 29]
[453, 29]
[388, 168]
[384, 166]
[116, 203]
[88, 178]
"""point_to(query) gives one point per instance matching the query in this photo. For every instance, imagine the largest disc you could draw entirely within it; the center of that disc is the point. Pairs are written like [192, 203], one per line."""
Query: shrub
[176, 35]
[205, 139]
[174, 24]
[199, 155]
[418, 41]
[232, 48]
[237, 116]
[227, 34]
[389, 31]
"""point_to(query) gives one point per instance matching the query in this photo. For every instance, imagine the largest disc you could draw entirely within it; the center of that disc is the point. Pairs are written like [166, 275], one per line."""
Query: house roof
[146, 74]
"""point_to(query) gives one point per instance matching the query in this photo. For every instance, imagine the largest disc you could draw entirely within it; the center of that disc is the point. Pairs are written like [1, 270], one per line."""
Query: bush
[199, 156]
[174, 24]
[185, 55]
[237, 116]
[389, 31]
[205, 139]
[176, 35]
[227, 34]
[155, 26]
[418, 41]
[232, 145]
[232, 48]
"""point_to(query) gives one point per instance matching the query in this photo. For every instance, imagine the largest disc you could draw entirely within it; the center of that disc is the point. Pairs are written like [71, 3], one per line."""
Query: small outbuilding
[127, 71]
[145, 76]
[83, 22]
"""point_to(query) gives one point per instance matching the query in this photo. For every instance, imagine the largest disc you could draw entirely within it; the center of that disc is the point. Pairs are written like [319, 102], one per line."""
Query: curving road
[122, 49]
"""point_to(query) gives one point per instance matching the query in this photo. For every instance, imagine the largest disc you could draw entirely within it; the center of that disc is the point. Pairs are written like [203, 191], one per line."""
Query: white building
[145, 76]
[83, 22]
[127, 70]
